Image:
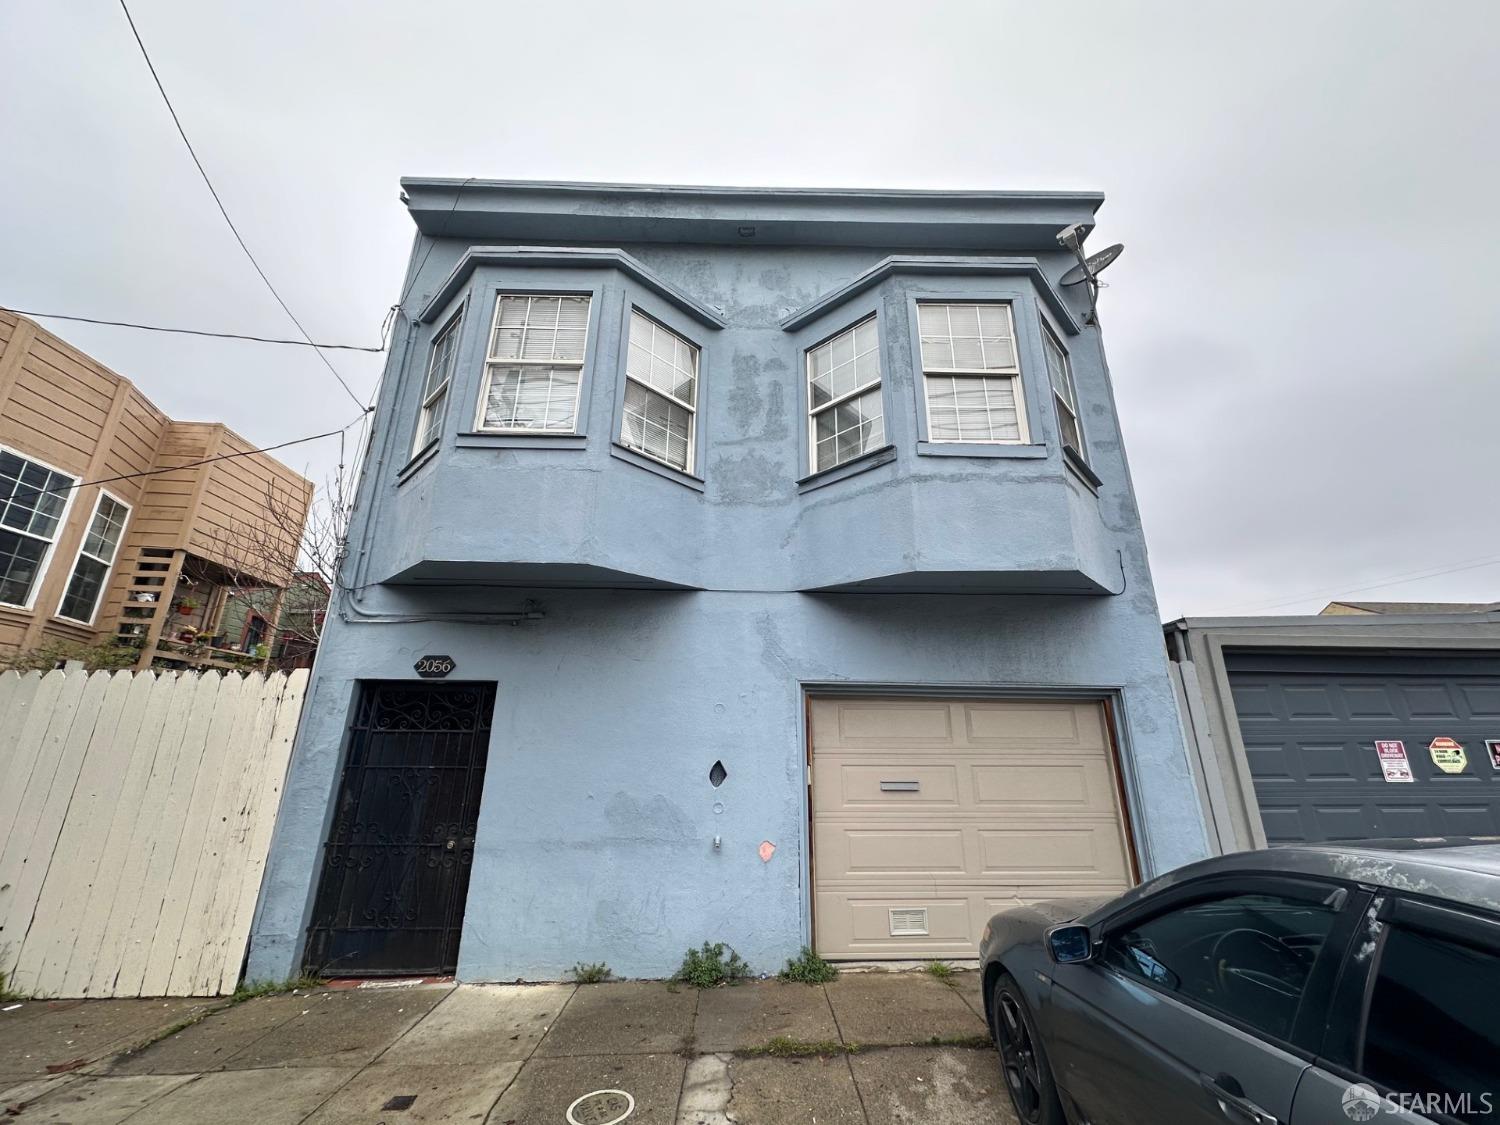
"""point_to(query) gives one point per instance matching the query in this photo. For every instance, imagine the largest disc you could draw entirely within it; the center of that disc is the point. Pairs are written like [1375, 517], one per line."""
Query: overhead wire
[224, 212]
[206, 460]
[198, 331]
[1389, 580]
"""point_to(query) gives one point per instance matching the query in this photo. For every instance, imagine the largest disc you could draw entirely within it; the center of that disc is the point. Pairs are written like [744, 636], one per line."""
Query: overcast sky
[1302, 331]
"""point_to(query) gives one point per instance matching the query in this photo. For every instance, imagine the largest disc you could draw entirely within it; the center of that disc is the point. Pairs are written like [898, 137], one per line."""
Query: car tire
[1023, 1060]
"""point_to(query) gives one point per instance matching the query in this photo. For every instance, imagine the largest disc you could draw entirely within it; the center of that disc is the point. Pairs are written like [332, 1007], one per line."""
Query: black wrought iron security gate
[396, 865]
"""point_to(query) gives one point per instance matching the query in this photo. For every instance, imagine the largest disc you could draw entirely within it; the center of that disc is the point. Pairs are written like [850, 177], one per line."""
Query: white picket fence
[135, 816]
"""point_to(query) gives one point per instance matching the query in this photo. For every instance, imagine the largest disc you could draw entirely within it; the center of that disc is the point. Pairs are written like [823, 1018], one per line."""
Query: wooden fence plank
[145, 816]
[36, 697]
[132, 762]
[29, 856]
[64, 898]
[267, 790]
[252, 734]
[184, 858]
[173, 778]
[205, 866]
[10, 683]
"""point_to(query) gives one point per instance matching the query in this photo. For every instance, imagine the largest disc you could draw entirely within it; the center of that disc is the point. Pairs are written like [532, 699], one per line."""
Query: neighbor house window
[535, 363]
[661, 394]
[32, 499]
[970, 373]
[845, 417]
[435, 387]
[1064, 393]
[91, 570]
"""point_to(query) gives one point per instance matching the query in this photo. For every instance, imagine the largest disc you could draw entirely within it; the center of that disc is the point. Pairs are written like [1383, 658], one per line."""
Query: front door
[396, 864]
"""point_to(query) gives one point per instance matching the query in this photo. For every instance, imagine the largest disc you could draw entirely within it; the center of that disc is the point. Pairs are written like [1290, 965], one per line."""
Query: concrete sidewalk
[873, 1048]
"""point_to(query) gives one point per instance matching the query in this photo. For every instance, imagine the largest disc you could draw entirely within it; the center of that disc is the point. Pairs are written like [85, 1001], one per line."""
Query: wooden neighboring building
[145, 560]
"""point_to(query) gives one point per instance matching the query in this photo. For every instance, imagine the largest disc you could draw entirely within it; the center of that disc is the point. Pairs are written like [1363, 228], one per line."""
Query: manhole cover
[602, 1107]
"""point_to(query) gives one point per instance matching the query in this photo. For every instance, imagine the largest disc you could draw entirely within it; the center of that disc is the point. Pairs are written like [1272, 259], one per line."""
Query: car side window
[1433, 1032]
[1247, 956]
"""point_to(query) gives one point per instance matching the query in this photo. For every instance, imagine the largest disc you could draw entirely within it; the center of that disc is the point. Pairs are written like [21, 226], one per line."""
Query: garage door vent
[910, 922]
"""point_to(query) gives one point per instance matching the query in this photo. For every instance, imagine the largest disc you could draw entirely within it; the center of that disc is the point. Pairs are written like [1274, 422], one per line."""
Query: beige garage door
[930, 815]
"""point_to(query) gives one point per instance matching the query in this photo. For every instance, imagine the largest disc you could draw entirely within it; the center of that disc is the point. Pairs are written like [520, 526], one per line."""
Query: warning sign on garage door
[1448, 755]
[1393, 761]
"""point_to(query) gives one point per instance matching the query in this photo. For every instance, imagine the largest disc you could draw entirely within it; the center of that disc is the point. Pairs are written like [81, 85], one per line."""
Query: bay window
[661, 394]
[970, 372]
[846, 416]
[1064, 394]
[534, 363]
[435, 387]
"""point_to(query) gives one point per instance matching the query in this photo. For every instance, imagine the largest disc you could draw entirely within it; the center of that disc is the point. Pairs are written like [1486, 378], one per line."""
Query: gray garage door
[1310, 724]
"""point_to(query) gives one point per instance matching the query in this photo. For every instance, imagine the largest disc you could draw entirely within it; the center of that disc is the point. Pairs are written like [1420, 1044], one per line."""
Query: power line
[1396, 580]
[211, 190]
[193, 331]
[205, 461]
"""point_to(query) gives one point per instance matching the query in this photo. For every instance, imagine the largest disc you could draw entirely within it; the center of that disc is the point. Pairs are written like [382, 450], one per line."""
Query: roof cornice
[949, 266]
[567, 257]
[550, 214]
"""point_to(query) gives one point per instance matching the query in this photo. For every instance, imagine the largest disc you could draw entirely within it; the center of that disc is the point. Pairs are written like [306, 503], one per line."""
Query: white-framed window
[970, 372]
[96, 556]
[1064, 394]
[435, 387]
[845, 416]
[535, 363]
[661, 393]
[33, 498]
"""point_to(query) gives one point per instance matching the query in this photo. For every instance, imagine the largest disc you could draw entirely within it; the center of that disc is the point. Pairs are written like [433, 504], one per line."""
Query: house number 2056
[434, 667]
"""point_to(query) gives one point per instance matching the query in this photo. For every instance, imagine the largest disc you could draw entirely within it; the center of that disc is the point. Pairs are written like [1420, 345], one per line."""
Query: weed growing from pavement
[7, 994]
[250, 989]
[590, 973]
[940, 970]
[709, 967]
[785, 1047]
[808, 968]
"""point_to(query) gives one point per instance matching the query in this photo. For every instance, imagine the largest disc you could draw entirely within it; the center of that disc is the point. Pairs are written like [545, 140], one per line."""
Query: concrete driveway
[872, 1048]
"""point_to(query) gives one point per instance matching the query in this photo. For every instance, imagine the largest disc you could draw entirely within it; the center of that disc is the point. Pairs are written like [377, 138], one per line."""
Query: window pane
[540, 328]
[662, 359]
[1433, 1026]
[430, 424]
[844, 364]
[1247, 956]
[84, 589]
[847, 430]
[1067, 424]
[531, 398]
[657, 426]
[20, 559]
[104, 532]
[962, 408]
[440, 363]
[31, 496]
[967, 337]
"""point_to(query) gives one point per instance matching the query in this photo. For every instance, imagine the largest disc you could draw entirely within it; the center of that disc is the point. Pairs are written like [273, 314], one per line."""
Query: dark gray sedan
[1296, 986]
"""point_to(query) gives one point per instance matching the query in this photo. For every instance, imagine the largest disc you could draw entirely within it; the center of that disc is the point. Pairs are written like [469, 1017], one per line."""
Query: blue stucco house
[757, 566]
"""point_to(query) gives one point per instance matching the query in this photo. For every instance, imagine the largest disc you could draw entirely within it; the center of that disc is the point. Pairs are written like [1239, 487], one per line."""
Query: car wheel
[1023, 1060]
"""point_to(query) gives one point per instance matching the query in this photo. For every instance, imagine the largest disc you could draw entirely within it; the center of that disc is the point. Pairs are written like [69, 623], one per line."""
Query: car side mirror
[1070, 944]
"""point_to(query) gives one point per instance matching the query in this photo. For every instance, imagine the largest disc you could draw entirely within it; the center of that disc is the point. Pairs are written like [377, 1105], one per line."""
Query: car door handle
[1232, 1101]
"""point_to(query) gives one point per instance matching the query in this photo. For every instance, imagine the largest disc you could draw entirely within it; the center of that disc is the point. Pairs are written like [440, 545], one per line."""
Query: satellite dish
[1095, 264]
